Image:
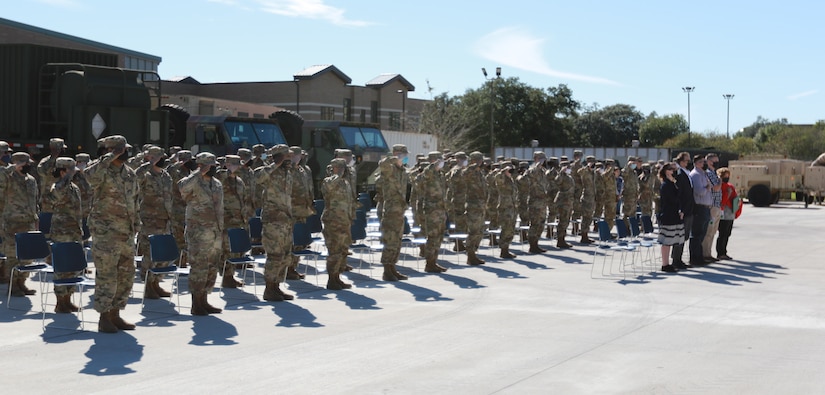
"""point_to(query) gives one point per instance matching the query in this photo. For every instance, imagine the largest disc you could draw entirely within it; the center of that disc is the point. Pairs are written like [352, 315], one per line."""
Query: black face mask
[726, 179]
[26, 169]
[705, 166]
[191, 165]
[212, 171]
[162, 162]
[249, 163]
[6, 159]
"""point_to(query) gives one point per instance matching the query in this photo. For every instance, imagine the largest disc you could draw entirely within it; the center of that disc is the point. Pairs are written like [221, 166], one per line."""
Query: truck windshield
[370, 138]
[247, 134]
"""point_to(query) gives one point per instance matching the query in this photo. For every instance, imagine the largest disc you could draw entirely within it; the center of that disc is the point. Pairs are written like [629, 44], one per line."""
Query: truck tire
[760, 195]
[291, 124]
[177, 124]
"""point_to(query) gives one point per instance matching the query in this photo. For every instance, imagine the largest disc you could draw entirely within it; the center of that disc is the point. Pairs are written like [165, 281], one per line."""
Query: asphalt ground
[538, 324]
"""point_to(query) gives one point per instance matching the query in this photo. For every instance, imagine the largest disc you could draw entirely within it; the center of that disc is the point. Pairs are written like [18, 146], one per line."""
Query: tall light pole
[727, 97]
[492, 108]
[687, 90]
[403, 108]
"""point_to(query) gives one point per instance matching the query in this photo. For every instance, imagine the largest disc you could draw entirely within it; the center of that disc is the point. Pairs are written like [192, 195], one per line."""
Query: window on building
[348, 109]
[363, 117]
[327, 113]
[374, 112]
[395, 121]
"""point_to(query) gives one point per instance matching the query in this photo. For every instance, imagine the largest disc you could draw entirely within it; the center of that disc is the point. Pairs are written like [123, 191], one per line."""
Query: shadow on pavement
[420, 294]
[111, 354]
[212, 331]
[295, 316]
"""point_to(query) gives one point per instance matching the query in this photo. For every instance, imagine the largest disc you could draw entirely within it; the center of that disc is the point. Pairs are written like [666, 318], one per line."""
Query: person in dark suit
[686, 203]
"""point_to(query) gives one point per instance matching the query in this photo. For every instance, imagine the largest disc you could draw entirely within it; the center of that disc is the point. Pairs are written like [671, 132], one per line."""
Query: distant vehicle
[765, 181]
[222, 135]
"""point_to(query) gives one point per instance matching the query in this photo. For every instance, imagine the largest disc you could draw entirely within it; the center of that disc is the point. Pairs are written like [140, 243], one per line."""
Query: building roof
[314, 71]
[185, 79]
[384, 79]
[102, 46]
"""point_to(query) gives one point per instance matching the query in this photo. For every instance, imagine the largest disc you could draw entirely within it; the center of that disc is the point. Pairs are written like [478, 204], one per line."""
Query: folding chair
[240, 243]
[607, 246]
[359, 232]
[68, 257]
[44, 223]
[30, 246]
[650, 246]
[302, 236]
[626, 238]
[256, 228]
[164, 249]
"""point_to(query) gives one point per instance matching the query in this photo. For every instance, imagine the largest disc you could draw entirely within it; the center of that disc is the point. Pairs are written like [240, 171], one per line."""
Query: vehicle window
[363, 137]
[241, 133]
[373, 138]
[269, 134]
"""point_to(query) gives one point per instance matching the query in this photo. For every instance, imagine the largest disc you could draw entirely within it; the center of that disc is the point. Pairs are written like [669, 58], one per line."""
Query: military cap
[155, 150]
[645, 165]
[496, 165]
[564, 158]
[631, 158]
[539, 154]
[475, 155]
[206, 158]
[232, 160]
[435, 155]
[461, 155]
[56, 143]
[340, 152]
[174, 149]
[295, 149]
[338, 162]
[184, 155]
[590, 158]
[258, 149]
[524, 164]
[599, 165]
[245, 153]
[101, 142]
[447, 151]
[114, 141]
[4, 147]
[65, 162]
[608, 160]
[82, 158]
[500, 158]
[554, 159]
[564, 163]
[400, 148]
[20, 157]
[507, 166]
[279, 149]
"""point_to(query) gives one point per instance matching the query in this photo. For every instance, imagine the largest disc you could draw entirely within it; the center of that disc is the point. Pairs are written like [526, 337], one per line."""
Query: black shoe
[721, 257]
[680, 265]
[710, 260]
[670, 269]
[697, 263]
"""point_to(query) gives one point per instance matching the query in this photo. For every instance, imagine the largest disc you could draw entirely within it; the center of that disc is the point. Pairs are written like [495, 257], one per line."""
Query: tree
[611, 126]
[451, 120]
[655, 130]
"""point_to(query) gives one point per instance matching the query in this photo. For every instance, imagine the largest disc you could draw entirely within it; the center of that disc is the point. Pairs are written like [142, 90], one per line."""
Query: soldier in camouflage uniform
[46, 167]
[113, 222]
[434, 211]
[5, 165]
[394, 191]
[575, 166]
[65, 200]
[274, 182]
[598, 205]
[646, 185]
[507, 201]
[457, 198]
[537, 201]
[19, 214]
[475, 184]
[552, 189]
[587, 175]
[523, 186]
[630, 193]
[564, 202]
[258, 156]
[181, 169]
[609, 182]
[491, 213]
[155, 210]
[203, 194]
[352, 177]
[337, 219]
[235, 213]
[302, 202]
[80, 180]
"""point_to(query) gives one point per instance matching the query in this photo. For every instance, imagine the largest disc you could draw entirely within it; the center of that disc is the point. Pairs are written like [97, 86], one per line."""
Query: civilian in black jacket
[686, 205]
[671, 227]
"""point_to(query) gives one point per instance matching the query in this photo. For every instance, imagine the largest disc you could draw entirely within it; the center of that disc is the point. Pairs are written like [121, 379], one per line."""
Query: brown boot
[473, 260]
[229, 281]
[283, 294]
[332, 282]
[585, 238]
[105, 324]
[158, 290]
[271, 292]
[151, 292]
[64, 305]
[18, 288]
[341, 282]
[561, 243]
[459, 246]
[505, 253]
[114, 316]
[397, 274]
[433, 267]
[293, 274]
[389, 274]
[534, 247]
[197, 304]
[208, 307]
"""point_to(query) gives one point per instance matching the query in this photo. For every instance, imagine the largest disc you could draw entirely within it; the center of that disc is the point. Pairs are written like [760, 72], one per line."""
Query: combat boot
[208, 307]
[197, 305]
[505, 253]
[341, 282]
[283, 294]
[64, 305]
[114, 316]
[534, 247]
[433, 267]
[472, 259]
[293, 274]
[332, 282]
[271, 292]
[389, 274]
[150, 291]
[158, 290]
[229, 281]
[105, 324]
[459, 246]
[585, 238]
[18, 288]
[561, 243]
[397, 274]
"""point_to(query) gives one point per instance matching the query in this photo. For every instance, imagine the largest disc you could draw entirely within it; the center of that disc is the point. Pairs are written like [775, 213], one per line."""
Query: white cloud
[802, 94]
[517, 48]
[310, 9]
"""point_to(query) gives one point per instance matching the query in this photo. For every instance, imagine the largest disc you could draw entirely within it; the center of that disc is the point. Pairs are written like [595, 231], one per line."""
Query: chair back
[621, 228]
[319, 206]
[634, 226]
[68, 257]
[407, 228]
[44, 222]
[256, 227]
[365, 200]
[301, 235]
[361, 215]
[31, 246]
[604, 231]
[239, 241]
[647, 224]
[163, 248]
[359, 230]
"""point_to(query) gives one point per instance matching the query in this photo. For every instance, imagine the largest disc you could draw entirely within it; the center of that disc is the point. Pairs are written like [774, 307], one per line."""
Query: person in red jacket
[731, 209]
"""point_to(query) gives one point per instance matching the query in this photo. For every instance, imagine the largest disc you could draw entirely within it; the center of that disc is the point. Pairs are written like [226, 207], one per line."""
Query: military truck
[766, 181]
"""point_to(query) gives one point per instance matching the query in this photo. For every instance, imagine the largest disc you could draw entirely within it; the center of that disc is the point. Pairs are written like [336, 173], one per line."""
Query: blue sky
[767, 53]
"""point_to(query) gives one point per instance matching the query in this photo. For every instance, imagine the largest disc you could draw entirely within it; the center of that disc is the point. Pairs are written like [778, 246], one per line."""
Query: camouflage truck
[766, 181]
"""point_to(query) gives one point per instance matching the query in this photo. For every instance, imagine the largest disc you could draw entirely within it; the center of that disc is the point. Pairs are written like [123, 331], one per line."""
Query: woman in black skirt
[671, 218]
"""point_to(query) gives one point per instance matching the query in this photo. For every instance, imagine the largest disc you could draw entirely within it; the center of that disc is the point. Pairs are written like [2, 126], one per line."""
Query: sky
[768, 54]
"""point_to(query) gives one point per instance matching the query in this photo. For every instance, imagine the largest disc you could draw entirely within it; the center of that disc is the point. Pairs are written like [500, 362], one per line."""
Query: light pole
[403, 109]
[492, 108]
[687, 90]
[727, 97]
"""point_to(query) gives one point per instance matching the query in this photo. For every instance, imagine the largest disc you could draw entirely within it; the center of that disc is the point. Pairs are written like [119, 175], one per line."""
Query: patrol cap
[258, 149]
[245, 153]
[279, 149]
[645, 165]
[4, 147]
[507, 166]
[56, 143]
[400, 148]
[577, 152]
[20, 157]
[564, 158]
[435, 155]
[524, 164]
[554, 159]
[65, 162]
[475, 155]
[590, 159]
[154, 150]
[184, 155]
[295, 150]
[206, 158]
[608, 160]
[232, 160]
[338, 162]
[82, 158]
[341, 152]
[174, 149]
[631, 158]
[461, 155]
[114, 141]
[564, 163]
[539, 154]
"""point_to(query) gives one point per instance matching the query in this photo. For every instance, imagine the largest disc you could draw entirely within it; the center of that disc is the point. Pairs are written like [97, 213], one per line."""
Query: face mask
[263, 156]
[248, 163]
[6, 159]
[439, 164]
[26, 169]
[405, 160]
[212, 171]
[161, 163]
[705, 166]
[633, 166]
[726, 179]
[191, 165]
[568, 171]
[81, 166]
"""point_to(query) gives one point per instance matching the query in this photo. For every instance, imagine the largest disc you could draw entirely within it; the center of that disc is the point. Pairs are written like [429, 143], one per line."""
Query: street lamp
[492, 108]
[403, 109]
[687, 90]
[727, 97]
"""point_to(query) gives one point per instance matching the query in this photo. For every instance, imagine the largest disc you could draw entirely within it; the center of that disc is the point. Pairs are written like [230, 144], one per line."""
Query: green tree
[611, 126]
[452, 121]
[655, 130]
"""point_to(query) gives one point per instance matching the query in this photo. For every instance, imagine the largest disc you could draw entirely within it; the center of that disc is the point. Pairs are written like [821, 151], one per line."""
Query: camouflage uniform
[5, 166]
[45, 168]
[491, 212]
[646, 185]
[507, 199]
[204, 226]
[65, 200]
[394, 190]
[598, 209]
[552, 190]
[154, 208]
[537, 201]
[432, 193]
[274, 182]
[564, 204]
[302, 201]
[587, 175]
[630, 193]
[576, 165]
[415, 195]
[457, 195]
[236, 210]
[19, 215]
[523, 185]
[475, 183]
[337, 219]
[609, 203]
[179, 171]
[113, 222]
[85, 188]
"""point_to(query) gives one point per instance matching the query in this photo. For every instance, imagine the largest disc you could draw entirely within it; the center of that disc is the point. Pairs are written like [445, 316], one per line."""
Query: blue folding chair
[607, 246]
[44, 223]
[163, 248]
[69, 257]
[256, 228]
[240, 243]
[30, 246]
[302, 236]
